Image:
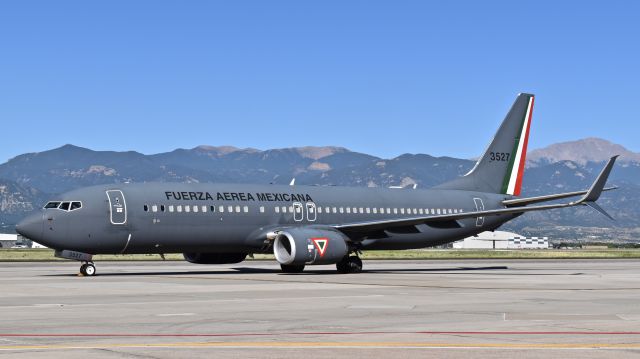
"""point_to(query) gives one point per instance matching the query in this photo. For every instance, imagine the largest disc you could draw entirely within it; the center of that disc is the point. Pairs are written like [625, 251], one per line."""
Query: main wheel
[355, 264]
[352, 264]
[343, 265]
[88, 269]
[291, 268]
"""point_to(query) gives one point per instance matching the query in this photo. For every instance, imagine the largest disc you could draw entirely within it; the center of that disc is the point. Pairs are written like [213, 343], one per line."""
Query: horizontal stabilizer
[599, 209]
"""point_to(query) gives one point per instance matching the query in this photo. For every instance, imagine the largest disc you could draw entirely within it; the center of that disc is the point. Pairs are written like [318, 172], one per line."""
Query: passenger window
[438, 211]
[195, 209]
[348, 209]
[290, 209]
[221, 209]
[341, 209]
[212, 208]
[360, 210]
[187, 208]
[354, 210]
[395, 211]
[154, 208]
[230, 209]
[261, 209]
[375, 210]
[326, 210]
[146, 208]
[76, 205]
[415, 211]
[284, 209]
[402, 210]
[171, 208]
[204, 209]
[277, 209]
[64, 206]
[319, 209]
[162, 208]
[238, 209]
[334, 209]
[52, 205]
[421, 211]
[245, 209]
[179, 208]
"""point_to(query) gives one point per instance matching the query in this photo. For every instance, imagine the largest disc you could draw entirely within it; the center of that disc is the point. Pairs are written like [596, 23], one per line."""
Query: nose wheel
[88, 269]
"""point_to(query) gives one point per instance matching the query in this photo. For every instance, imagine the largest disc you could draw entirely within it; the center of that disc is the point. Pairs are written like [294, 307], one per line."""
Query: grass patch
[45, 255]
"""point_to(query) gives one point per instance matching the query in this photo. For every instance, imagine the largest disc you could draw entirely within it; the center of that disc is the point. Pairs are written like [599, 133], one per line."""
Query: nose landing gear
[88, 269]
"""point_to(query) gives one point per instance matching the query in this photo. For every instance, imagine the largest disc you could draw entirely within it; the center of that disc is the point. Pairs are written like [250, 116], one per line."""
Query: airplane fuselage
[233, 218]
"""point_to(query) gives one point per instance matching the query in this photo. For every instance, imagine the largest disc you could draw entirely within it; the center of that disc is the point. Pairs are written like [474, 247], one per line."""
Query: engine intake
[299, 246]
[214, 258]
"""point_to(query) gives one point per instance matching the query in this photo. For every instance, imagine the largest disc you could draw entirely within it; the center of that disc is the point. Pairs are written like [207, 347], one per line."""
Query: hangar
[502, 240]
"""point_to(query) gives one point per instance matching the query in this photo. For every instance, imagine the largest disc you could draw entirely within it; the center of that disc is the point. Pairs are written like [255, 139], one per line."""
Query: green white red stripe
[513, 179]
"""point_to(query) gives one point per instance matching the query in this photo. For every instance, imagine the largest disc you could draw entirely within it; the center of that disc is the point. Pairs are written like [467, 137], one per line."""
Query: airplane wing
[589, 198]
[531, 200]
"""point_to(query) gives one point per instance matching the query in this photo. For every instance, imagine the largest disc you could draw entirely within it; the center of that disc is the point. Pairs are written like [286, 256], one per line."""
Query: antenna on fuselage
[293, 182]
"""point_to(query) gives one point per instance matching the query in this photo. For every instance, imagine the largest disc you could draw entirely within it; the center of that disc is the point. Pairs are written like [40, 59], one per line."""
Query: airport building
[17, 241]
[502, 240]
[8, 240]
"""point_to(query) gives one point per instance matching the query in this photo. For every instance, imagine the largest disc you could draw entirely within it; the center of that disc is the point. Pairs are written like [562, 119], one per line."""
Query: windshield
[52, 204]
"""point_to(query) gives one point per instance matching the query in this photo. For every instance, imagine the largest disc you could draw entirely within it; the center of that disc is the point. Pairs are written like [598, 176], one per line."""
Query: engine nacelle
[214, 258]
[298, 246]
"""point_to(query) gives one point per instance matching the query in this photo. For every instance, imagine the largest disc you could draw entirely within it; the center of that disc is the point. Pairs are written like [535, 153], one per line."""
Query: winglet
[598, 184]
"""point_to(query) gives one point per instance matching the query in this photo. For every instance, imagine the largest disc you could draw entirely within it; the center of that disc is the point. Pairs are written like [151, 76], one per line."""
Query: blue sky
[383, 78]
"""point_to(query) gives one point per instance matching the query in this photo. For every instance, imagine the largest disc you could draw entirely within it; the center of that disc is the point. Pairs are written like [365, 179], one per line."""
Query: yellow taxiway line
[355, 345]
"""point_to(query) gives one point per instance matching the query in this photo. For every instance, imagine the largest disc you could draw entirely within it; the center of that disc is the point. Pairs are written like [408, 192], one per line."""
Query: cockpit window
[75, 205]
[64, 206]
[52, 204]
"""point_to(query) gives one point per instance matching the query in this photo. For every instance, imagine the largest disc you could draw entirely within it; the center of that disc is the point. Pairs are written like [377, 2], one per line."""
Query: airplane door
[311, 211]
[297, 212]
[479, 207]
[117, 207]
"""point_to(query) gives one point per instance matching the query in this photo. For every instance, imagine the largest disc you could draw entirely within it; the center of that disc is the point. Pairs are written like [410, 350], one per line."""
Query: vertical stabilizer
[500, 168]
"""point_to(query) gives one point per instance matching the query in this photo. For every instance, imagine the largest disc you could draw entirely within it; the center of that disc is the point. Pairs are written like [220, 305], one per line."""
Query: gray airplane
[300, 225]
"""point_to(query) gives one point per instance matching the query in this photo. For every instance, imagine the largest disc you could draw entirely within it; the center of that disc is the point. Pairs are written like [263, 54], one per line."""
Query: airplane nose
[31, 226]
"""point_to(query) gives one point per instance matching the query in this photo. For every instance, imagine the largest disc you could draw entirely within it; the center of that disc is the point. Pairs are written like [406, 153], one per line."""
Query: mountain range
[28, 180]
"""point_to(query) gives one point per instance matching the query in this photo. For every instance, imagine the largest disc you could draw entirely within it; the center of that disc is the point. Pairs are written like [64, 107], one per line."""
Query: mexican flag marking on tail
[513, 179]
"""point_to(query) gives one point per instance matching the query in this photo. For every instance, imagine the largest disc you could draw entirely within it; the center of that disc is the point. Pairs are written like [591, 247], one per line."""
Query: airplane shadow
[250, 270]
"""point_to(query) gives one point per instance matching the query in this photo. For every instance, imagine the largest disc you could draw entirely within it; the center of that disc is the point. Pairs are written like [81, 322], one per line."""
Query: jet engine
[300, 246]
[214, 258]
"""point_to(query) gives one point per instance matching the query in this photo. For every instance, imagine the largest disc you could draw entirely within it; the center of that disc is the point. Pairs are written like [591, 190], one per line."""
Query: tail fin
[501, 167]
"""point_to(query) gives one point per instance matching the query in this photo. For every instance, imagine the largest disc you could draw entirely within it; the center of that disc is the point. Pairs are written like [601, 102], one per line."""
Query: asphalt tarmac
[395, 309]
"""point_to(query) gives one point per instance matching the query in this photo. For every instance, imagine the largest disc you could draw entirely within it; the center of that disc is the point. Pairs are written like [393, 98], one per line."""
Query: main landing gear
[88, 269]
[349, 264]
